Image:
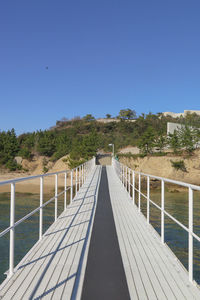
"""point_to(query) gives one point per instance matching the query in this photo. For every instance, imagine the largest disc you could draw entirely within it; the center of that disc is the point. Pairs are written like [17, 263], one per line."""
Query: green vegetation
[80, 138]
[179, 165]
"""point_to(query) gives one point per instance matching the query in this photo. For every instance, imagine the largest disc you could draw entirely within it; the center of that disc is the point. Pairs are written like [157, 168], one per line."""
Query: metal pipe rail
[127, 177]
[81, 172]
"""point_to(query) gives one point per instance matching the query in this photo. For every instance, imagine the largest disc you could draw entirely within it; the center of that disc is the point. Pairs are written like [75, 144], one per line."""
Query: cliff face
[162, 166]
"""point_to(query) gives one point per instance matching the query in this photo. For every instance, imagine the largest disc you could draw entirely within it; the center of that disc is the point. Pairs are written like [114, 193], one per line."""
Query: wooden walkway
[152, 271]
[55, 266]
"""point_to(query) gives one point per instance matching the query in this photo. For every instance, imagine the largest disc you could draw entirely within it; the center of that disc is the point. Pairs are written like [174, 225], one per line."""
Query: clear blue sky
[102, 56]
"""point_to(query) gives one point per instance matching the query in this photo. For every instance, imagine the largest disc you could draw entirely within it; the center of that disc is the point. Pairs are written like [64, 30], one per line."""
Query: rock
[18, 160]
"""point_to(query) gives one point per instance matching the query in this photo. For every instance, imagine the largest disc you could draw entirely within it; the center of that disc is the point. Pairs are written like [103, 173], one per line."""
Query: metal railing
[128, 179]
[77, 175]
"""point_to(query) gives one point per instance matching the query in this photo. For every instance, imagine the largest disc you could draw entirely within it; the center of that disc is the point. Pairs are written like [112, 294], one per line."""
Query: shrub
[25, 153]
[12, 165]
[179, 165]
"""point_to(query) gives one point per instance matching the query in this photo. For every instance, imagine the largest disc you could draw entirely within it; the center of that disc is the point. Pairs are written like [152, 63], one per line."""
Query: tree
[108, 116]
[127, 114]
[147, 140]
[160, 142]
[46, 143]
[89, 118]
[188, 138]
[9, 148]
[174, 141]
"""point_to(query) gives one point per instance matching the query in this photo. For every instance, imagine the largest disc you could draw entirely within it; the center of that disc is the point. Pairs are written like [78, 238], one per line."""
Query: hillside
[163, 167]
[80, 138]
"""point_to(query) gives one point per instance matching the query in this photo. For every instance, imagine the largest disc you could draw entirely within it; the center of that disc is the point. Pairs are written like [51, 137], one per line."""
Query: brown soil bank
[35, 167]
[162, 166]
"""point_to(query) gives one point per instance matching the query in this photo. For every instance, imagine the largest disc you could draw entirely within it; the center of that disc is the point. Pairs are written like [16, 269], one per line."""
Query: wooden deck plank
[158, 278]
[140, 255]
[149, 252]
[56, 277]
[148, 244]
[56, 266]
[25, 280]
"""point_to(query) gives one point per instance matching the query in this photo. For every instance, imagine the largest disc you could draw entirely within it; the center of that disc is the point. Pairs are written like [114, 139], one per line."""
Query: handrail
[127, 177]
[81, 172]
[35, 176]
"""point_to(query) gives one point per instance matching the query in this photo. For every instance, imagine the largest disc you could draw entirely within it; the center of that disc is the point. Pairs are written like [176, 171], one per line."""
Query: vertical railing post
[41, 208]
[56, 196]
[162, 211]
[148, 197]
[139, 191]
[12, 230]
[126, 178]
[129, 181]
[65, 193]
[81, 175]
[79, 184]
[123, 175]
[76, 181]
[71, 188]
[133, 189]
[84, 171]
[190, 238]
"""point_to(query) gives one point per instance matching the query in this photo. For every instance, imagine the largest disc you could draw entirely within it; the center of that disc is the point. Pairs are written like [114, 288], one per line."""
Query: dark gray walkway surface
[105, 277]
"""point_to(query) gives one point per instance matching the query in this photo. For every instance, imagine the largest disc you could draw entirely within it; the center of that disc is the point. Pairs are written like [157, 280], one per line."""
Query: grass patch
[179, 165]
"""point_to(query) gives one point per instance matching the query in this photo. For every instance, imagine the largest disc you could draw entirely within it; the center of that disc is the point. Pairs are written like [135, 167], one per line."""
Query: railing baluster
[65, 193]
[190, 237]
[162, 211]
[71, 189]
[148, 196]
[82, 175]
[123, 175]
[12, 231]
[76, 180]
[126, 178]
[56, 196]
[133, 183]
[129, 181]
[139, 189]
[41, 208]
[79, 184]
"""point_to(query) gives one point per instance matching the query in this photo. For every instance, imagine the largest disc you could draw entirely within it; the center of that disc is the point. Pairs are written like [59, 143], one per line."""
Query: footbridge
[101, 246]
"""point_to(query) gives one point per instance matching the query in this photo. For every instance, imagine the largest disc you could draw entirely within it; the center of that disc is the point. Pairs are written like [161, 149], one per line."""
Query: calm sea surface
[27, 232]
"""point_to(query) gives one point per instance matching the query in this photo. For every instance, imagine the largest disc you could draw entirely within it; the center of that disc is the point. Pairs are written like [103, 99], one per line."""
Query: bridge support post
[65, 193]
[56, 196]
[148, 196]
[162, 211]
[190, 237]
[133, 186]
[12, 231]
[41, 208]
[71, 189]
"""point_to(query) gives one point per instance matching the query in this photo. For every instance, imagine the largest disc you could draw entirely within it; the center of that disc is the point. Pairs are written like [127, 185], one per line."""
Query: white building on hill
[177, 115]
